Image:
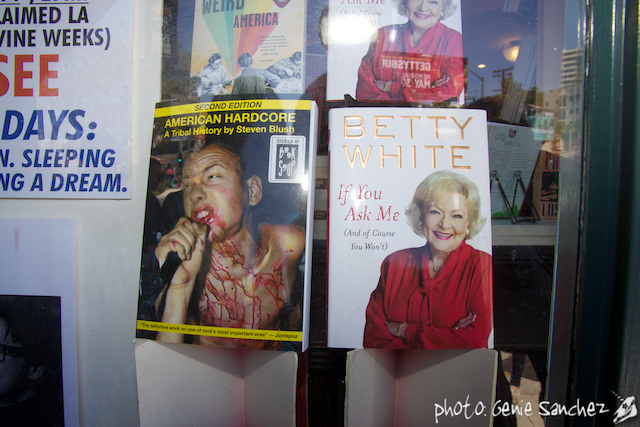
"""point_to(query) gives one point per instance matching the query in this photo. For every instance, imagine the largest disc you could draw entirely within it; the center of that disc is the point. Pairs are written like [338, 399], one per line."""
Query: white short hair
[448, 8]
[438, 184]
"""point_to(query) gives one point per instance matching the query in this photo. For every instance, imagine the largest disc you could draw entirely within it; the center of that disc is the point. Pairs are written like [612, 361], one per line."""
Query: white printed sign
[65, 87]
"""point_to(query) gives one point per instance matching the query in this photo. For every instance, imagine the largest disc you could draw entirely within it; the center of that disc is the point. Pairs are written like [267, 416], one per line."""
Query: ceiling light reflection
[350, 29]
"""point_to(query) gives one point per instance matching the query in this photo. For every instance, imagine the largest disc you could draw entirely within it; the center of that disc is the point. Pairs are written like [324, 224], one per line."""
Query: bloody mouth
[207, 216]
[203, 215]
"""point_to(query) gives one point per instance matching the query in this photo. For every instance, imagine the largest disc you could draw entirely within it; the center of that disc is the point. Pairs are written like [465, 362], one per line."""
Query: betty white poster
[395, 50]
[65, 89]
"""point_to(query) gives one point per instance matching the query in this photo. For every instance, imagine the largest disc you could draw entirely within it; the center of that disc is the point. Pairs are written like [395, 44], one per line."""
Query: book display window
[352, 212]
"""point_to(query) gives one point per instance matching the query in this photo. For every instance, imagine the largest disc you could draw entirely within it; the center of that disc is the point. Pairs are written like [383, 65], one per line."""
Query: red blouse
[432, 307]
[412, 70]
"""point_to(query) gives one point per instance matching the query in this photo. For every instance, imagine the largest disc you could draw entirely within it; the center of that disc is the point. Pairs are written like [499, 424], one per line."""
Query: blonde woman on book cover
[418, 61]
[439, 295]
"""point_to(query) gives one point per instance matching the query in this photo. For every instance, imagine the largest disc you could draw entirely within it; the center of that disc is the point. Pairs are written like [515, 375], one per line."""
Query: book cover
[395, 50]
[409, 235]
[226, 255]
[247, 47]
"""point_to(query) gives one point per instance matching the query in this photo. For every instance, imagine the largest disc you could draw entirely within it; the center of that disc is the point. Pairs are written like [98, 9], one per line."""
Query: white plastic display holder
[389, 388]
[191, 385]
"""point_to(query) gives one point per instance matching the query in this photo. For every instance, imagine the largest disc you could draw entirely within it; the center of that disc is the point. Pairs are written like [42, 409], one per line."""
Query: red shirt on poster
[433, 71]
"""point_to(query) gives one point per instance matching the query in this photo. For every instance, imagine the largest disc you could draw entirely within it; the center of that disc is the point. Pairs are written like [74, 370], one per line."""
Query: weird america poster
[247, 47]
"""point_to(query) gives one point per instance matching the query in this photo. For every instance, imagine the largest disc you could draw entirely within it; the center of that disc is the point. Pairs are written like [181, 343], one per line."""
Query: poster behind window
[38, 322]
[513, 151]
[395, 51]
[247, 47]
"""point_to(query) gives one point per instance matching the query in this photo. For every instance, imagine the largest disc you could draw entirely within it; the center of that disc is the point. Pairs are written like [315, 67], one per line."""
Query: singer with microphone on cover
[230, 276]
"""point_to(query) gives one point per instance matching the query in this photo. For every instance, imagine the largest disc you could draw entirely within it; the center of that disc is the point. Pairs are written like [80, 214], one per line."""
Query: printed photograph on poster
[247, 47]
[398, 50]
[30, 361]
[409, 229]
[38, 349]
[65, 85]
[226, 257]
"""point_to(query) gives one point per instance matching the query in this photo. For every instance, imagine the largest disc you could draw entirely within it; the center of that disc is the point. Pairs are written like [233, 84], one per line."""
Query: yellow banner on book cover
[258, 104]
[250, 334]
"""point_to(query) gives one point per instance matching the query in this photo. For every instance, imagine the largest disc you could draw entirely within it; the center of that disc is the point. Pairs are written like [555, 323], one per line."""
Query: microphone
[170, 267]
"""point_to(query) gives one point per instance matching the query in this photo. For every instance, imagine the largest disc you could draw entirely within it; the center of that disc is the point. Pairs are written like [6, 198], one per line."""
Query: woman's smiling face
[423, 14]
[445, 222]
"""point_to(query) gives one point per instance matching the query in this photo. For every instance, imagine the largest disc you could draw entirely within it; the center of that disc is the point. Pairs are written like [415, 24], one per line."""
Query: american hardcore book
[226, 257]
[409, 229]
